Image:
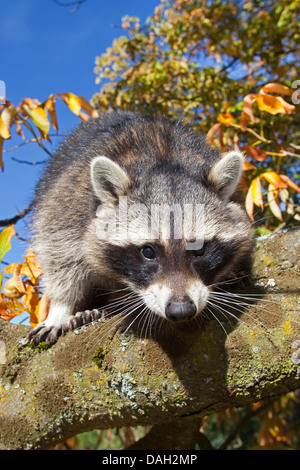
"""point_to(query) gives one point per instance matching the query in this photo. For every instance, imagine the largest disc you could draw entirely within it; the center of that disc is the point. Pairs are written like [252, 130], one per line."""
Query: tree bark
[98, 377]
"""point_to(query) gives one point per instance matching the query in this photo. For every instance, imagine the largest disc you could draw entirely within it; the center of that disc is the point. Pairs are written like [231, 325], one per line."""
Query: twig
[243, 421]
[13, 220]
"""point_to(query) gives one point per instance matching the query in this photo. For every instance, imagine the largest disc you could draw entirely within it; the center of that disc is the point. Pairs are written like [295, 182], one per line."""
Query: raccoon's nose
[180, 311]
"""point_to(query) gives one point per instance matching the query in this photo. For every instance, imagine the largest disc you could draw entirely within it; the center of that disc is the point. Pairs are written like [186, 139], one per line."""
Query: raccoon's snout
[180, 311]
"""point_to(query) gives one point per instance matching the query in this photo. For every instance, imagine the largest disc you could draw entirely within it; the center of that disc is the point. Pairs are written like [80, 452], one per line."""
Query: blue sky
[46, 49]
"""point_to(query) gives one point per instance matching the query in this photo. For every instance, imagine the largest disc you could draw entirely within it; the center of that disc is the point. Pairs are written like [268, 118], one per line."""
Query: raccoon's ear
[108, 179]
[226, 173]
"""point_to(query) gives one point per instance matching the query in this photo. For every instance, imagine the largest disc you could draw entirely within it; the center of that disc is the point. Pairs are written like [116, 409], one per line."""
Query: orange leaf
[274, 179]
[87, 107]
[257, 193]
[277, 88]
[244, 121]
[225, 119]
[290, 183]
[210, 135]
[19, 284]
[255, 153]
[248, 165]
[10, 308]
[50, 105]
[247, 106]
[43, 308]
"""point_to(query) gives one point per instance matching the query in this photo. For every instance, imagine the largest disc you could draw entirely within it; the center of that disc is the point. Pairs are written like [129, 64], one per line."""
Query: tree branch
[98, 378]
[16, 218]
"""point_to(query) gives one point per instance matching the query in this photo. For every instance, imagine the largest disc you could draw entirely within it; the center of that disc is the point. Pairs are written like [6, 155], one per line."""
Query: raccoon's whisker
[226, 313]
[117, 307]
[123, 314]
[243, 300]
[242, 295]
[135, 319]
[218, 321]
[245, 305]
[145, 318]
[228, 281]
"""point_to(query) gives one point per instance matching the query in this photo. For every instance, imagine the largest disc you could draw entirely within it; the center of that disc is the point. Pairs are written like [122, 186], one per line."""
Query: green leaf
[5, 238]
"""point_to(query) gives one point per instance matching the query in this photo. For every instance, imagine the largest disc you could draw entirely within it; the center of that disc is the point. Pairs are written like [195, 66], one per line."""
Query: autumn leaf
[87, 107]
[5, 238]
[274, 179]
[212, 131]
[4, 130]
[10, 308]
[10, 289]
[255, 153]
[272, 196]
[247, 106]
[290, 183]
[257, 192]
[274, 104]
[42, 310]
[277, 88]
[249, 203]
[50, 105]
[226, 119]
[248, 166]
[39, 117]
[72, 101]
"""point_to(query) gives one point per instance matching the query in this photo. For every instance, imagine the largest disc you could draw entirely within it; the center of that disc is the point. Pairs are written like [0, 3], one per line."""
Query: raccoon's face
[172, 255]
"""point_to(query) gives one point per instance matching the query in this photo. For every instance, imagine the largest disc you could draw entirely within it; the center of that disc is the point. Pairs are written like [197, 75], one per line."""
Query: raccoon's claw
[50, 334]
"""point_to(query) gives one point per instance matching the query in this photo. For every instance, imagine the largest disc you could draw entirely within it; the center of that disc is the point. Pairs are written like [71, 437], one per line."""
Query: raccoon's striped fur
[107, 181]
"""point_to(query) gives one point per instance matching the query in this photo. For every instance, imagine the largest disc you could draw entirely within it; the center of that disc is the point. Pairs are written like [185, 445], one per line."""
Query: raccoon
[142, 203]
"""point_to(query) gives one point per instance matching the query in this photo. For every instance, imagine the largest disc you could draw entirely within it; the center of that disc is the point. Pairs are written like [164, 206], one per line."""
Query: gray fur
[151, 161]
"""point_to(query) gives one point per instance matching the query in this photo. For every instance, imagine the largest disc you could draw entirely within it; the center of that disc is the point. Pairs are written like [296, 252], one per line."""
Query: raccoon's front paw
[50, 334]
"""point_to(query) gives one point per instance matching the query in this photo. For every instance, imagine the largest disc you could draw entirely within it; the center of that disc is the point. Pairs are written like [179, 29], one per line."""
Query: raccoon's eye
[200, 252]
[148, 252]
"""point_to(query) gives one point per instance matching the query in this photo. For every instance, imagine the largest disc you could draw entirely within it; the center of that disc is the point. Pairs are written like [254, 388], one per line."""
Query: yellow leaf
[274, 104]
[225, 119]
[4, 130]
[72, 101]
[274, 179]
[257, 192]
[39, 117]
[5, 238]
